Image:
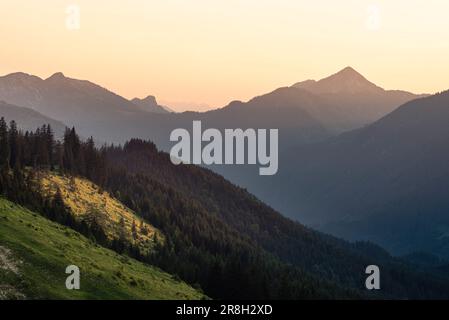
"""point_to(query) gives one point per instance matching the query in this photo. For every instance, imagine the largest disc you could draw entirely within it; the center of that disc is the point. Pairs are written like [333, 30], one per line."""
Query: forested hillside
[216, 236]
[289, 241]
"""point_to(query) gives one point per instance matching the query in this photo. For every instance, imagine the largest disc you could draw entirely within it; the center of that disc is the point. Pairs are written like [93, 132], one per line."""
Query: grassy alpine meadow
[35, 252]
[85, 199]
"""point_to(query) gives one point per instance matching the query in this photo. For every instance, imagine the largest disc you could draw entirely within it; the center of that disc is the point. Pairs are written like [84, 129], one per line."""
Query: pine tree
[14, 148]
[90, 158]
[50, 143]
[4, 145]
[122, 230]
[59, 207]
[134, 229]
[68, 156]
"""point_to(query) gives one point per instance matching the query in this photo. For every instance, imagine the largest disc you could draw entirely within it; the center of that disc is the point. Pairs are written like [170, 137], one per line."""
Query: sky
[201, 54]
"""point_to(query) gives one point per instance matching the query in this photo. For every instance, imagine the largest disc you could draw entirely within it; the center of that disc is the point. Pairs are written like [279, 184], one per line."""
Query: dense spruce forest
[218, 237]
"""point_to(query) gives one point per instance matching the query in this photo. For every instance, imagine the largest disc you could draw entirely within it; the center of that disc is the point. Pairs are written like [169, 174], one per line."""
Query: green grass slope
[34, 253]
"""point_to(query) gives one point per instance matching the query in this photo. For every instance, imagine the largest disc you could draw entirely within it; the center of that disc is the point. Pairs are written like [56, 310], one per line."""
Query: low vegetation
[34, 253]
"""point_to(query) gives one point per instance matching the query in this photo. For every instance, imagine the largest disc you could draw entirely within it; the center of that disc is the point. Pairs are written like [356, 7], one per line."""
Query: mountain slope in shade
[28, 119]
[387, 182]
[357, 100]
[305, 113]
[149, 104]
[294, 112]
[284, 109]
[233, 213]
[216, 235]
[302, 113]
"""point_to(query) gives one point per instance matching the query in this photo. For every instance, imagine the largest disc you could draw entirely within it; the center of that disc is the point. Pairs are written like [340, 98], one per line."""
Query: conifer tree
[4, 145]
[13, 140]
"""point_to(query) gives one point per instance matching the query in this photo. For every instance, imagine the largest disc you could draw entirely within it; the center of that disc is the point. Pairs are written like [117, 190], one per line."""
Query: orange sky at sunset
[197, 54]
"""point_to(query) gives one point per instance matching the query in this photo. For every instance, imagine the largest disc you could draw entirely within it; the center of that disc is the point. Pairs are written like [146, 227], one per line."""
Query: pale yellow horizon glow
[198, 54]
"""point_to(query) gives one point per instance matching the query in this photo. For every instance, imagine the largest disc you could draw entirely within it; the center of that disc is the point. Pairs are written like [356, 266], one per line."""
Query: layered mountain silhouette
[28, 119]
[324, 179]
[302, 113]
[93, 109]
[386, 183]
[356, 100]
[96, 111]
[150, 104]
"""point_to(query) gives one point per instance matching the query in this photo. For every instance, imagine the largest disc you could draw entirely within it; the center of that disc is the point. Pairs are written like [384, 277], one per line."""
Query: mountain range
[355, 99]
[28, 119]
[369, 183]
[305, 112]
[93, 109]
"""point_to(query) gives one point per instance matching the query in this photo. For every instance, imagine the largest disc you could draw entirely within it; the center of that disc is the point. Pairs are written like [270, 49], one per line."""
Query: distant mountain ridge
[28, 119]
[93, 109]
[338, 103]
[150, 104]
[228, 208]
[359, 101]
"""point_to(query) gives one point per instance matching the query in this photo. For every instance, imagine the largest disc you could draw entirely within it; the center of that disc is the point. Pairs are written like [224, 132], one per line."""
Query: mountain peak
[56, 76]
[349, 69]
[348, 73]
[150, 99]
[149, 104]
[347, 80]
